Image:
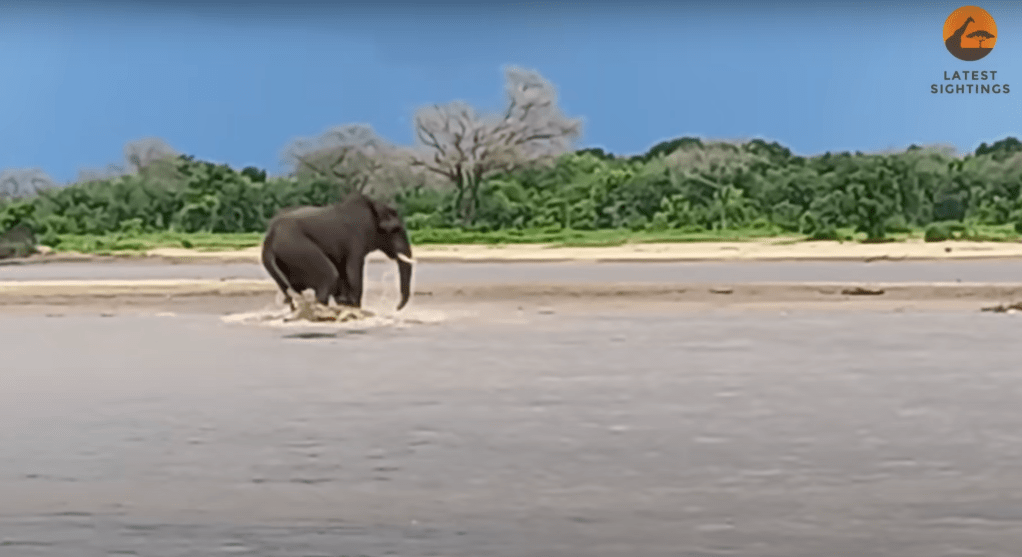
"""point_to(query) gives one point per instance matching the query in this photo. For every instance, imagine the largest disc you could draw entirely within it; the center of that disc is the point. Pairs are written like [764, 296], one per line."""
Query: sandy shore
[765, 250]
[225, 296]
[771, 250]
[229, 295]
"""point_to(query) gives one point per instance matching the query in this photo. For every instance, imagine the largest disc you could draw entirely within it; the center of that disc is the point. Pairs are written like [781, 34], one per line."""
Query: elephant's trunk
[404, 269]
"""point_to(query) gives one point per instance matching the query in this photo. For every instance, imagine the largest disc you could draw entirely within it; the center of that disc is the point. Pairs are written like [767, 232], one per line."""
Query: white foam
[283, 317]
[379, 299]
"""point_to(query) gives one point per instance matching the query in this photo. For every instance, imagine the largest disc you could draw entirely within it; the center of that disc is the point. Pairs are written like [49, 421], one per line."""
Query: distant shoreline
[220, 296]
[206, 296]
[755, 250]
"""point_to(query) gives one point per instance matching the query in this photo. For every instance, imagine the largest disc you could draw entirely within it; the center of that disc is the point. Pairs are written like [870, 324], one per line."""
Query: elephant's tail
[278, 276]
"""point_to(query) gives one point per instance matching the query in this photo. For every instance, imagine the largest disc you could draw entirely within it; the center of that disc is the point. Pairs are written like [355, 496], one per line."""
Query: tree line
[519, 169]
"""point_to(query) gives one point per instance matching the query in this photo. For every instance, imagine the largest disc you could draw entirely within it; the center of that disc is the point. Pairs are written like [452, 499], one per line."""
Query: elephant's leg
[341, 294]
[310, 268]
[354, 270]
[325, 289]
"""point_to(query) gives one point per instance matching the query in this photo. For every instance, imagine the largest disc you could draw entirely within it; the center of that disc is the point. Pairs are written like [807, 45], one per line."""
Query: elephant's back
[298, 211]
[294, 216]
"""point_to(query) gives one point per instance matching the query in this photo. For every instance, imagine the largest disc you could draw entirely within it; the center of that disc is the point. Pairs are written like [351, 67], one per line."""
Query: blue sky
[235, 82]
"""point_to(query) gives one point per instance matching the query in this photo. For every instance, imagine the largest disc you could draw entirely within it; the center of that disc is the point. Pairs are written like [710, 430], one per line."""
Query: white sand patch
[774, 249]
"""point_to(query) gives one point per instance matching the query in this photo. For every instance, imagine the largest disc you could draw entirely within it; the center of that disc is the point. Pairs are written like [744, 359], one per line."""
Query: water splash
[284, 317]
[379, 300]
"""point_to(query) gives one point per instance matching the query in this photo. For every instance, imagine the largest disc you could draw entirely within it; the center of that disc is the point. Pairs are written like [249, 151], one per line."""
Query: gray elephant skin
[324, 248]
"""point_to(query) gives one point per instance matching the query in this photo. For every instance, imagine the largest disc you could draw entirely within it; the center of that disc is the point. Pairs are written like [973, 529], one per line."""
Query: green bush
[825, 233]
[937, 232]
[420, 221]
[945, 230]
[680, 186]
[898, 224]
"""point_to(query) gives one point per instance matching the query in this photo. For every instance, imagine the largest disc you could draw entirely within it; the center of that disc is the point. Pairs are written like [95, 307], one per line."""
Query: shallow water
[715, 433]
[281, 317]
[379, 302]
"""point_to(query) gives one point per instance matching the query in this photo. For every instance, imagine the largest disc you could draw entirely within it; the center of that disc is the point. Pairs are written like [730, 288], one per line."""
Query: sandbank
[224, 296]
[238, 294]
[760, 250]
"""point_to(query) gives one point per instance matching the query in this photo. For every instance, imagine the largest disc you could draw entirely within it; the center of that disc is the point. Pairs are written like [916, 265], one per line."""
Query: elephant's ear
[387, 218]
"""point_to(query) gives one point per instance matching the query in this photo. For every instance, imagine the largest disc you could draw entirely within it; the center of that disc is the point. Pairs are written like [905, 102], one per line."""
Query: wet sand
[224, 287]
[733, 274]
[223, 296]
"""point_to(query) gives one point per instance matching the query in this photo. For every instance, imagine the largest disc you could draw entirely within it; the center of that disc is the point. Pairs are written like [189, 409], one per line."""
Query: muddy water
[701, 434]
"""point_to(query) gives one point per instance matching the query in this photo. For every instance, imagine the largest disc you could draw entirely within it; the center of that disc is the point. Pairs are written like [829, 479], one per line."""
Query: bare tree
[353, 156]
[150, 156]
[946, 150]
[111, 171]
[17, 183]
[709, 156]
[397, 175]
[465, 147]
[143, 153]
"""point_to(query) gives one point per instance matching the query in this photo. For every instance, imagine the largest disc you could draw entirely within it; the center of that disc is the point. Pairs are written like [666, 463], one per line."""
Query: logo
[970, 33]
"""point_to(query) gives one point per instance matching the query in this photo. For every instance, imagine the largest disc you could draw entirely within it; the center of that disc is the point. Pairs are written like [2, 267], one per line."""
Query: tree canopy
[519, 168]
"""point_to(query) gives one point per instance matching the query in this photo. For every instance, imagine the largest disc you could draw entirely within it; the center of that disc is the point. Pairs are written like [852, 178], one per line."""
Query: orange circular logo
[970, 33]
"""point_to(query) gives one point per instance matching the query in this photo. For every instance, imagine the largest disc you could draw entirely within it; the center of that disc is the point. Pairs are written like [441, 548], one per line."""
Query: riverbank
[757, 250]
[240, 289]
[225, 296]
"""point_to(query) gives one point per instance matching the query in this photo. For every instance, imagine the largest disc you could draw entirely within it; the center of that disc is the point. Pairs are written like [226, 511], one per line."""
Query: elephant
[324, 248]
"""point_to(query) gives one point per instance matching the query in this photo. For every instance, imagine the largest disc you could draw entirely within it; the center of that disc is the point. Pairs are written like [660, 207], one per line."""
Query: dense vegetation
[684, 186]
[515, 176]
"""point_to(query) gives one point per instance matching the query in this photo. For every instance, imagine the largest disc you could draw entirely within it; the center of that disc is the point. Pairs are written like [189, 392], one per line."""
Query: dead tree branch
[465, 147]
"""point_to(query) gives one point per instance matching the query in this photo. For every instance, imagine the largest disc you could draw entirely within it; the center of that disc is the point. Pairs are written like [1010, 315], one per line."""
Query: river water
[697, 434]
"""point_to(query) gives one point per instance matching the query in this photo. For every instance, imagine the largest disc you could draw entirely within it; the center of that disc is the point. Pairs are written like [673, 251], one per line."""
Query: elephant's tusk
[406, 259]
